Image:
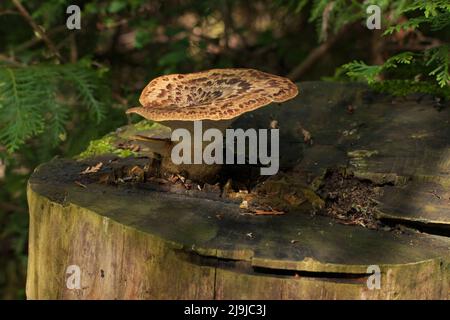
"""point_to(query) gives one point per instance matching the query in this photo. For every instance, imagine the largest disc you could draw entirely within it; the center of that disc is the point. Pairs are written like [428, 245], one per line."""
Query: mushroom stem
[196, 171]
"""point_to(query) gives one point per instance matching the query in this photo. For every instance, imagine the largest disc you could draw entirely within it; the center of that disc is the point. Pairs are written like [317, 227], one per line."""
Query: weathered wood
[132, 243]
[403, 141]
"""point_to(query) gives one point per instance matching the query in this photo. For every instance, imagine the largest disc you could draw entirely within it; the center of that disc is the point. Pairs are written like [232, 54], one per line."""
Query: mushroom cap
[216, 94]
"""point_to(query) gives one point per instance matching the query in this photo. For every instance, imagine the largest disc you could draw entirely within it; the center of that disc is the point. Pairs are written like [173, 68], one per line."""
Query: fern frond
[439, 56]
[429, 8]
[360, 70]
[411, 24]
[437, 22]
[401, 58]
[29, 104]
[22, 98]
[87, 87]
[58, 117]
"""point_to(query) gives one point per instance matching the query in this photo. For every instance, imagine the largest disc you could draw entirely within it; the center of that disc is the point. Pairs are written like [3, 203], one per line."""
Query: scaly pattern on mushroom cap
[215, 94]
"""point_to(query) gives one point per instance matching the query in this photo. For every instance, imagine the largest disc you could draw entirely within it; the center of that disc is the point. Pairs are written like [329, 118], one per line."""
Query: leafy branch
[440, 57]
[431, 64]
[359, 69]
[30, 105]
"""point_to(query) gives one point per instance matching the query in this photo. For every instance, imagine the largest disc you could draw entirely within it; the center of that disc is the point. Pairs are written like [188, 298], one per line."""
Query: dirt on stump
[350, 200]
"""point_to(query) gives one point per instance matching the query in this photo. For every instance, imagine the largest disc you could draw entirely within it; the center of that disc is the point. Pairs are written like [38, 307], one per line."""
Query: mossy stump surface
[132, 241]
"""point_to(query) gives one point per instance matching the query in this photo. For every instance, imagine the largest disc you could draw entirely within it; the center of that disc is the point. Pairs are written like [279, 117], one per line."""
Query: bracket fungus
[217, 97]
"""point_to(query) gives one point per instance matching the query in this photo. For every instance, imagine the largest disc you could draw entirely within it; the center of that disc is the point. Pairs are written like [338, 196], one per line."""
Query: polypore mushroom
[216, 96]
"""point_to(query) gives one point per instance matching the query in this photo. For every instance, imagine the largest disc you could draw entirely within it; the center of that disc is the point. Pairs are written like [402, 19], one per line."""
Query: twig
[326, 18]
[6, 12]
[30, 43]
[37, 29]
[315, 55]
[10, 60]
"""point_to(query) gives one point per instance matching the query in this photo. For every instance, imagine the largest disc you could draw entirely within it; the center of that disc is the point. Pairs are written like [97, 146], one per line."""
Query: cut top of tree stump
[398, 146]
[220, 229]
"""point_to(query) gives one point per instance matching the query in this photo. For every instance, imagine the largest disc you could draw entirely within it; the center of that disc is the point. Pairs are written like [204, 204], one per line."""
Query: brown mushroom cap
[216, 94]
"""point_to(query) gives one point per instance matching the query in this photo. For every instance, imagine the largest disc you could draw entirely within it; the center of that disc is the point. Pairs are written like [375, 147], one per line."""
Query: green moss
[108, 144]
[145, 125]
[405, 87]
[122, 153]
[104, 145]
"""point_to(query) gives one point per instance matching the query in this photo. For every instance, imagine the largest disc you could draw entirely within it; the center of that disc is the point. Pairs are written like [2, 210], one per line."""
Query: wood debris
[307, 137]
[244, 204]
[78, 183]
[93, 169]
[274, 124]
[260, 212]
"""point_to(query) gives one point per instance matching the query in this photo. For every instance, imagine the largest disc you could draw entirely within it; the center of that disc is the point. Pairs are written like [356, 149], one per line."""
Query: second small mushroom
[217, 97]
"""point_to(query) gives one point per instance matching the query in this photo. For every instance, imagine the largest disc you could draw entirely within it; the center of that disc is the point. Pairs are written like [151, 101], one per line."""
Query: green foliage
[434, 13]
[440, 58]
[431, 64]
[104, 145]
[31, 101]
[358, 69]
[429, 8]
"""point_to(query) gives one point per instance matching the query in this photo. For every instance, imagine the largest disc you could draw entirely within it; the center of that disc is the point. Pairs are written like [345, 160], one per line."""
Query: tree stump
[135, 241]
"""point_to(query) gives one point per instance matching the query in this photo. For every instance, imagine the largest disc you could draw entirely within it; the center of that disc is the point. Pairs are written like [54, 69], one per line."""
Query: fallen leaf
[93, 169]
